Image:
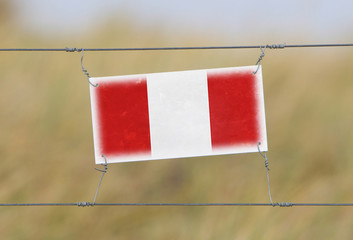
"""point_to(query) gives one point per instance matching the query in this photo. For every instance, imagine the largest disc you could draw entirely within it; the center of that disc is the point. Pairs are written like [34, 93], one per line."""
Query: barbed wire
[269, 46]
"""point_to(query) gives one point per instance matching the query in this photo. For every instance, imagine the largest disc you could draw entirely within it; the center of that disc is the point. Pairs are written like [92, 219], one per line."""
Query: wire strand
[270, 46]
[84, 204]
[263, 154]
[104, 171]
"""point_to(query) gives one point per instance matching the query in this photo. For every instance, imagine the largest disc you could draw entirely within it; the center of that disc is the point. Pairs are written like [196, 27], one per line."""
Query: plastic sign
[178, 114]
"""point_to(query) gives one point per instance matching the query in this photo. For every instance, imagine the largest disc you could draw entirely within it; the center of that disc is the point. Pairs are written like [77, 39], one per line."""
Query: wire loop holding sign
[103, 172]
[263, 154]
[273, 46]
[260, 58]
[85, 70]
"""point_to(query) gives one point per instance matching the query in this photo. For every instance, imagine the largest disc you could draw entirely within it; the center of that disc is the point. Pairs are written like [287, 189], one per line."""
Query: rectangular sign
[178, 114]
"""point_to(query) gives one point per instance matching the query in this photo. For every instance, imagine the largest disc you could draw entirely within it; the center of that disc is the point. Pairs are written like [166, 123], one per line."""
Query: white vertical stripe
[179, 114]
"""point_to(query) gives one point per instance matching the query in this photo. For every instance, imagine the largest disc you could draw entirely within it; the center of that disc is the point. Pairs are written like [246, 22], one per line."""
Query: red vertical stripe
[123, 120]
[233, 107]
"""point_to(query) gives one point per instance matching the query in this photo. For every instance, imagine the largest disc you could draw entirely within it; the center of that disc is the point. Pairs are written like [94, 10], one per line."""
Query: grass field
[46, 146]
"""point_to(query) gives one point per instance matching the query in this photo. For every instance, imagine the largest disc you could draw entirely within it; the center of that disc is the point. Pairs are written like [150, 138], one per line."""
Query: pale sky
[319, 21]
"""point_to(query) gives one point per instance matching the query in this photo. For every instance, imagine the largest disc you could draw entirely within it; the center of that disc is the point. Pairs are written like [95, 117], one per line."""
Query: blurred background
[46, 143]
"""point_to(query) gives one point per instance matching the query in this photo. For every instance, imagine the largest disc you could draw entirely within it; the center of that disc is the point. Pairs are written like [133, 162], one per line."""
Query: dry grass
[46, 147]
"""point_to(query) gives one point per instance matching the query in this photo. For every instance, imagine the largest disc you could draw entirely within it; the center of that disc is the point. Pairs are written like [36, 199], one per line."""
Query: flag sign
[178, 114]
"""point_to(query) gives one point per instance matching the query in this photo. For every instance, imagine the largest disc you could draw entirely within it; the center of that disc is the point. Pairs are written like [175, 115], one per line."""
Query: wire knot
[105, 164]
[84, 204]
[67, 49]
[283, 204]
[267, 164]
[276, 46]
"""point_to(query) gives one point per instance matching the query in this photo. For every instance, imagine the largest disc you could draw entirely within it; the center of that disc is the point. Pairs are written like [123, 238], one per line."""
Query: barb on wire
[83, 68]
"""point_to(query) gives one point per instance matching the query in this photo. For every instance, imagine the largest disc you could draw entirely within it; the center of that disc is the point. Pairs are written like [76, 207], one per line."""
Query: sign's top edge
[107, 78]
